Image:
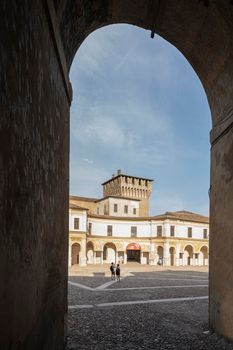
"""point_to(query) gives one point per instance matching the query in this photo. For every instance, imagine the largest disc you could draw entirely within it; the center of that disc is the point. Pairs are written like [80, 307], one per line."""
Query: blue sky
[139, 106]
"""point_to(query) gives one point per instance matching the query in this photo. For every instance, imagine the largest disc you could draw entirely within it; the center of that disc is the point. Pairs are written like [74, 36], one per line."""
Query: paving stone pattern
[180, 325]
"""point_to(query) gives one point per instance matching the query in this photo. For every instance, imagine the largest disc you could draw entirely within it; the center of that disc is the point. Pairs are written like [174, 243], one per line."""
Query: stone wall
[34, 155]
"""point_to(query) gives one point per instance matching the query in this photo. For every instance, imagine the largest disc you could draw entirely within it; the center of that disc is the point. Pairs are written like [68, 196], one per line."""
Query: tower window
[134, 211]
[115, 208]
[126, 209]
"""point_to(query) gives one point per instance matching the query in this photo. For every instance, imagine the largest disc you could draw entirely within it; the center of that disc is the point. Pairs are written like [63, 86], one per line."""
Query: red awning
[133, 246]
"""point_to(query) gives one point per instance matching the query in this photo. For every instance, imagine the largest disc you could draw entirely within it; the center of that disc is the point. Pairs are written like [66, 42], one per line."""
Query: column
[177, 260]
[116, 259]
[83, 253]
[94, 257]
[101, 257]
[156, 255]
[125, 257]
[70, 255]
[192, 260]
[141, 257]
[152, 254]
[166, 254]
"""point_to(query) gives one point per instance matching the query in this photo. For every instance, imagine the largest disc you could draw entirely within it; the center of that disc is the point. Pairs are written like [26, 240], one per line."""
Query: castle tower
[127, 186]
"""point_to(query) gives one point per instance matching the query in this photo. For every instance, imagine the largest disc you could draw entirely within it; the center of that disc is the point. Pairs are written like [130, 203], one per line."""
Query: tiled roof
[74, 206]
[183, 215]
[84, 199]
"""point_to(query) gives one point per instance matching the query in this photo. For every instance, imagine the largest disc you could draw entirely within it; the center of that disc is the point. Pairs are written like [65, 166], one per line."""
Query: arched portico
[172, 252]
[109, 253]
[203, 256]
[133, 251]
[75, 253]
[160, 252]
[188, 255]
[34, 123]
[90, 253]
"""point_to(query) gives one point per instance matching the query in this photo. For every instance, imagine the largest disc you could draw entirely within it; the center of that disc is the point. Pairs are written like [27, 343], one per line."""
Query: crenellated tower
[127, 186]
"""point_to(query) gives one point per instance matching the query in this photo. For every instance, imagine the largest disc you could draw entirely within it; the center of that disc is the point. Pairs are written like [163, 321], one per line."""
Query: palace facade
[118, 228]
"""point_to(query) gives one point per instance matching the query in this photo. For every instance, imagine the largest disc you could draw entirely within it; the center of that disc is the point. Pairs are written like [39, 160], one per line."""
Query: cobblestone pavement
[151, 308]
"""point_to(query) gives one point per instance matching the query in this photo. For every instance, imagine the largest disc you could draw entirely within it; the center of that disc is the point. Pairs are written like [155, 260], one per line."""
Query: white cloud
[87, 160]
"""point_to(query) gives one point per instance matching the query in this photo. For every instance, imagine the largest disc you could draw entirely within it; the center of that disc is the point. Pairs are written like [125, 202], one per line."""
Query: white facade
[114, 206]
[146, 228]
[103, 239]
[81, 215]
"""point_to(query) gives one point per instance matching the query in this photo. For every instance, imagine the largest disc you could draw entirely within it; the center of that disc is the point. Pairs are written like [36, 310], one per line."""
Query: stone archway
[75, 253]
[160, 252]
[35, 101]
[203, 259]
[188, 255]
[172, 252]
[133, 251]
[109, 253]
[90, 253]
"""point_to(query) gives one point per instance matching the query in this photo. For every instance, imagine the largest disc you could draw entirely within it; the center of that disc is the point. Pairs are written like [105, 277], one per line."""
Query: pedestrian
[112, 269]
[118, 273]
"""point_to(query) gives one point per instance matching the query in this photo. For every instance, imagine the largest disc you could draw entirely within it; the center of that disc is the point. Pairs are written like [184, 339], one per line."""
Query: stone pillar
[116, 257]
[125, 258]
[152, 256]
[102, 257]
[83, 253]
[70, 255]
[177, 260]
[141, 257]
[166, 254]
[193, 260]
[182, 259]
[221, 233]
[94, 257]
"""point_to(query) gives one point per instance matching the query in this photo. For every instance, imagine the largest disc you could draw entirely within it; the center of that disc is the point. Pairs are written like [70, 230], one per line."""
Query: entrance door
[133, 255]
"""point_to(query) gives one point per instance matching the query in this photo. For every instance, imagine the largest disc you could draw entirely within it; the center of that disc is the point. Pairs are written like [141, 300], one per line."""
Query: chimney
[118, 171]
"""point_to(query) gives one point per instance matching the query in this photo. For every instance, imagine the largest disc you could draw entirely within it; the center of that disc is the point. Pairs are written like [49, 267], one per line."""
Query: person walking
[112, 269]
[118, 273]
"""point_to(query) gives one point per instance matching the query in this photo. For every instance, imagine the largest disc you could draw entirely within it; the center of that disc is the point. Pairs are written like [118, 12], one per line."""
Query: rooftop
[183, 215]
[121, 174]
[177, 215]
[74, 206]
[120, 197]
[84, 199]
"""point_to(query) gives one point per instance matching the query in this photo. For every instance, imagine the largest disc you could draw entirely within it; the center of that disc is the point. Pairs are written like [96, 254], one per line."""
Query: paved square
[151, 308]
